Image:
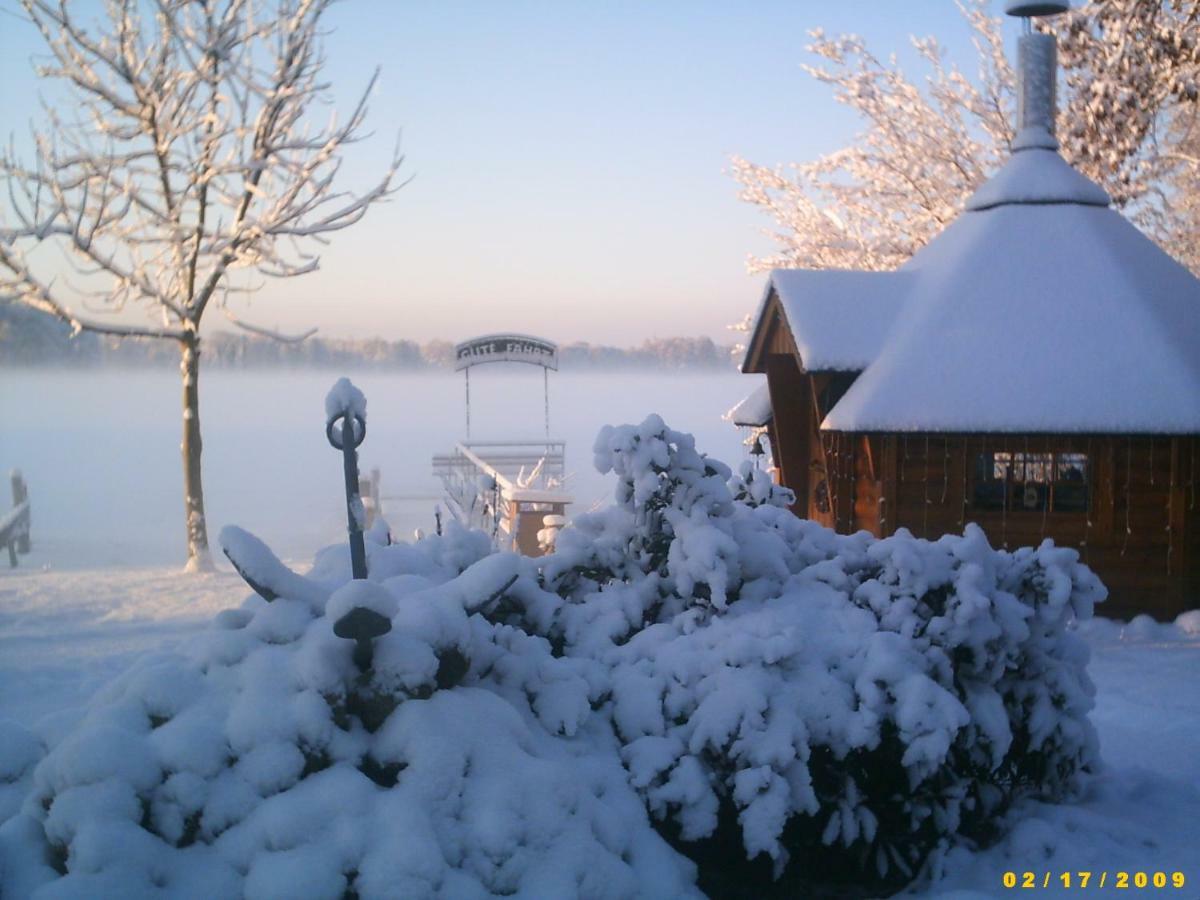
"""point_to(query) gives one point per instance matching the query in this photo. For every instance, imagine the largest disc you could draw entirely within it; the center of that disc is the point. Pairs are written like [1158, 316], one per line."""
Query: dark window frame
[1020, 481]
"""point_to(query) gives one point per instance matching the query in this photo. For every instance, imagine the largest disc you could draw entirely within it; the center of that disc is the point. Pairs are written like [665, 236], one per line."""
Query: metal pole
[358, 550]
[467, 372]
[546, 394]
[348, 442]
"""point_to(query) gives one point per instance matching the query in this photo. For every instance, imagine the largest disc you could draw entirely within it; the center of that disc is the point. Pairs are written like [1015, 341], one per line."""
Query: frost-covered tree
[181, 168]
[1132, 70]
[1183, 186]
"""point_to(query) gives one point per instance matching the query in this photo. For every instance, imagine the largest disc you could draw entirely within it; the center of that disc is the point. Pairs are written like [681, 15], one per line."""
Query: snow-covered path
[1148, 706]
[63, 634]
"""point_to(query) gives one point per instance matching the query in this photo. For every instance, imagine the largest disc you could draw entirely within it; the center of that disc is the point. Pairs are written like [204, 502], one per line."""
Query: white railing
[490, 484]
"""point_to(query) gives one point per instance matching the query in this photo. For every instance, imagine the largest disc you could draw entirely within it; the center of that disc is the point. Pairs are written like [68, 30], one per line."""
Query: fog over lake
[100, 448]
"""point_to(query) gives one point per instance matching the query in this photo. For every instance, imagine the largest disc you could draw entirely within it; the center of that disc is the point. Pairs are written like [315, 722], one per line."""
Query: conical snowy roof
[1040, 309]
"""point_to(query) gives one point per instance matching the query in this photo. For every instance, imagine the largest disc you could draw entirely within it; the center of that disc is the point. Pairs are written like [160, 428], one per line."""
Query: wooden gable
[771, 336]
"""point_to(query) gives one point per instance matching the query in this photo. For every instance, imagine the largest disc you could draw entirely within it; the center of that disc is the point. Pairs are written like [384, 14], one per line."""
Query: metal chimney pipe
[1037, 71]
[1037, 59]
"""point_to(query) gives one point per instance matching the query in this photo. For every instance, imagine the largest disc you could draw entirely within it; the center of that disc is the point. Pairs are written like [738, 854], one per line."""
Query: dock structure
[513, 490]
[510, 489]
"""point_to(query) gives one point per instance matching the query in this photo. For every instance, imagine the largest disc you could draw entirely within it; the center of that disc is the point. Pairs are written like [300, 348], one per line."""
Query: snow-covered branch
[1133, 74]
[191, 154]
[268, 332]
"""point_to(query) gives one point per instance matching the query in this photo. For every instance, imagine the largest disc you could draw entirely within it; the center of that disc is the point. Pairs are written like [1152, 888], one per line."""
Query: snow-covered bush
[843, 702]
[19, 753]
[694, 669]
[262, 762]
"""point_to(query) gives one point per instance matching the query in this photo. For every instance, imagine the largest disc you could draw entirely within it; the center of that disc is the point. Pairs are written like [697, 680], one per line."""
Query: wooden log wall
[792, 421]
[1141, 533]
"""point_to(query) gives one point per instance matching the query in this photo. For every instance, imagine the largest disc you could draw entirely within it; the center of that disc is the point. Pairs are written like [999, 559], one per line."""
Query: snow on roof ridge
[839, 318]
[1037, 175]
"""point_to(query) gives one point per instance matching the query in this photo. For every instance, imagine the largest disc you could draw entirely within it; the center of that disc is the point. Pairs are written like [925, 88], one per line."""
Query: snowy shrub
[696, 684]
[19, 753]
[263, 762]
[839, 704]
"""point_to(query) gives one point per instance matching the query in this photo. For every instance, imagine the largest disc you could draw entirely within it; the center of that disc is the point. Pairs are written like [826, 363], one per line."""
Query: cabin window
[1036, 482]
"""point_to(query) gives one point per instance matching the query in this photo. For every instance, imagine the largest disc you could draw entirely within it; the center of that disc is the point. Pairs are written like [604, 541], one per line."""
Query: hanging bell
[756, 449]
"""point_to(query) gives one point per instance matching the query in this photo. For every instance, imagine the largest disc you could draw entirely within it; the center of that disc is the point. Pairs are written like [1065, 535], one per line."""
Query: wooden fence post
[15, 524]
[20, 493]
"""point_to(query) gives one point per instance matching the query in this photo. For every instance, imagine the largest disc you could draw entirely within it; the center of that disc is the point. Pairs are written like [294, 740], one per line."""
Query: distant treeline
[30, 338]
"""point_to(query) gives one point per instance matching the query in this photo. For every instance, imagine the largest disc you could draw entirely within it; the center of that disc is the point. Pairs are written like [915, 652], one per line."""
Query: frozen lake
[100, 449]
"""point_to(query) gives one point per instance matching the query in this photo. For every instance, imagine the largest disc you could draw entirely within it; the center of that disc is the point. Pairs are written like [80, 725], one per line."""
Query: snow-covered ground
[64, 634]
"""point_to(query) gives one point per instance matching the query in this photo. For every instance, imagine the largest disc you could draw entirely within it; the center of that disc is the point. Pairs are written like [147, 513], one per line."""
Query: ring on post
[359, 434]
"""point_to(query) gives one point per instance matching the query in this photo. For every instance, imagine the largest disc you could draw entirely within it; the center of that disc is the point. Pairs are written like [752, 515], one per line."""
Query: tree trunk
[199, 559]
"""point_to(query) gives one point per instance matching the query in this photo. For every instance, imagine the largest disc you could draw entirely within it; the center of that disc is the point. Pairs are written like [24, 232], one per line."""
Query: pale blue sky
[569, 159]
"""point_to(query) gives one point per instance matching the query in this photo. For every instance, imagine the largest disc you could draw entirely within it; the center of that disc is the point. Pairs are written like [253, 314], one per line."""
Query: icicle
[962, 510]
[837, 482]
[1008, 467]
[1192, 475]
[848, 473]
[1152, 462]
[843, 457]
[904, 464]
[1170, 511]
[1087, 510]
[925, 488]
[1026, 468]
[1047, 481]
[828, 473]
[945, 468]
[884, 456]
[843, 469]
[1128, 480]
[832, 477]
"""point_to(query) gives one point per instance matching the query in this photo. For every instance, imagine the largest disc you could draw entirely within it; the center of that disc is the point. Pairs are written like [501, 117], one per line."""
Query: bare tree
[1132, 69]
[186, 168]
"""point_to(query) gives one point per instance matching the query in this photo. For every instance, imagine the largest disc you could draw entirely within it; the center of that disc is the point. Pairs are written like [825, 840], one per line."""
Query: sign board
[506, 348]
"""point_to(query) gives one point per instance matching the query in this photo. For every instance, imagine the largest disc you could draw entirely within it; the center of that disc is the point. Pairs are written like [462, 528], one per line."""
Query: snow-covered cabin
[1035, 369]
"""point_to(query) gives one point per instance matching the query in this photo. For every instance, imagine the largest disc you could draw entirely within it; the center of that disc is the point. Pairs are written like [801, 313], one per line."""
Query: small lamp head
[1027, 8]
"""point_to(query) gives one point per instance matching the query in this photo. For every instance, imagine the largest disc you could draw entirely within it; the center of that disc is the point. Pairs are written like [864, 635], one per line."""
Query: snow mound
[1037, 176]
[344, 397]
[1143, 629]
[695, 685]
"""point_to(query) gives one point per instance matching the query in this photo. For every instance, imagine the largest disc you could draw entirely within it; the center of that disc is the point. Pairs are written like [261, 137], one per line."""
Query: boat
[513, 489]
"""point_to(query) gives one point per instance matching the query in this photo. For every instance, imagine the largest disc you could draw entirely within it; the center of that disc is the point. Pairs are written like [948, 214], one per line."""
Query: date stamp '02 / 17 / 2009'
[1083, 880]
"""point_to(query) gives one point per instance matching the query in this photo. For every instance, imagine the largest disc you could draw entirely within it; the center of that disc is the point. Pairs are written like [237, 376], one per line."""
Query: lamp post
[353, 427]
